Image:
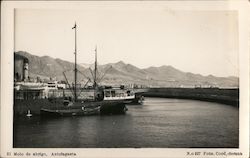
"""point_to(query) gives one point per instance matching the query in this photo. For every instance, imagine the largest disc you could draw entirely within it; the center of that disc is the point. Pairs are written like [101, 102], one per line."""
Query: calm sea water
[159, 122]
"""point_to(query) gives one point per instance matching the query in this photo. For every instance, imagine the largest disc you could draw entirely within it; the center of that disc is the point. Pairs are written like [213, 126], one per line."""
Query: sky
[204, 42]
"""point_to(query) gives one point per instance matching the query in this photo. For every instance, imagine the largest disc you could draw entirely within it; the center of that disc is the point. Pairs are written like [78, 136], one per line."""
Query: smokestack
[21, 67]
[25, 69]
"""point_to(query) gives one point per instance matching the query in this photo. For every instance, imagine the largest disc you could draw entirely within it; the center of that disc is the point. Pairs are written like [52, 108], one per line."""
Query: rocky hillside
[122, 73]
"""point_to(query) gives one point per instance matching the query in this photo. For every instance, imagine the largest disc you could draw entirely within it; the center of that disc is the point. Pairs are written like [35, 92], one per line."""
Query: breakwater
[224, 96]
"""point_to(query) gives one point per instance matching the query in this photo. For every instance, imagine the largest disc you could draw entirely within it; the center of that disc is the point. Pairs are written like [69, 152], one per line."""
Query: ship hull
[21, 107]
[70, 112]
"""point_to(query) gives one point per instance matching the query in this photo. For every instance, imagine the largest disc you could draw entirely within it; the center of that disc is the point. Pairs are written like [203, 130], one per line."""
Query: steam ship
[35, 98]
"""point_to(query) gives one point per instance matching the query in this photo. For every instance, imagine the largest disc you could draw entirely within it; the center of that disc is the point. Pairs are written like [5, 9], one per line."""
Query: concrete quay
[228, 96]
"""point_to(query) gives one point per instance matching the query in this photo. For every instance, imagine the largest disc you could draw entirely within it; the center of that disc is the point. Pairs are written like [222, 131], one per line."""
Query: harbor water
[158, 123]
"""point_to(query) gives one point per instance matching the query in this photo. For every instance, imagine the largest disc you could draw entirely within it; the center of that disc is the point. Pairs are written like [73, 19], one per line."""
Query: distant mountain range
[121, 73]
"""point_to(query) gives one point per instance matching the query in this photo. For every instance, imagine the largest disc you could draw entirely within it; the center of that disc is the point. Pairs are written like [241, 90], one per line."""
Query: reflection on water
[159, 122]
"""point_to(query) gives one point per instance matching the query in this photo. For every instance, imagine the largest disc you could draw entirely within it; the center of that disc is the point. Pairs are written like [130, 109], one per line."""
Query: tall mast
[95, 67]
[75, 96]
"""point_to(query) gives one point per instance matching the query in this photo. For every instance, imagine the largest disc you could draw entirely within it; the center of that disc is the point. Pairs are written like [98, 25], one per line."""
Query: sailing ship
[77, 107]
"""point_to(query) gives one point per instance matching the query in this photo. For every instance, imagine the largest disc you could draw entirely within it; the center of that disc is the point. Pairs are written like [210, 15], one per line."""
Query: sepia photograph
[126, 75]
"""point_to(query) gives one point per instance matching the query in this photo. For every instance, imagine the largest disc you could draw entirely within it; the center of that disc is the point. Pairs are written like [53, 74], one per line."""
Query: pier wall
[224, 96]
[21, 107]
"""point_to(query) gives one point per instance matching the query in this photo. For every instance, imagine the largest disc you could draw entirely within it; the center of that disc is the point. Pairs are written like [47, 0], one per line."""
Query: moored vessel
[34, 99]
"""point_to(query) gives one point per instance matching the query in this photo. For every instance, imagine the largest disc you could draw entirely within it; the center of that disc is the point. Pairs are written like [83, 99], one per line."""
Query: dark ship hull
[70, 111]
[50, 107]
